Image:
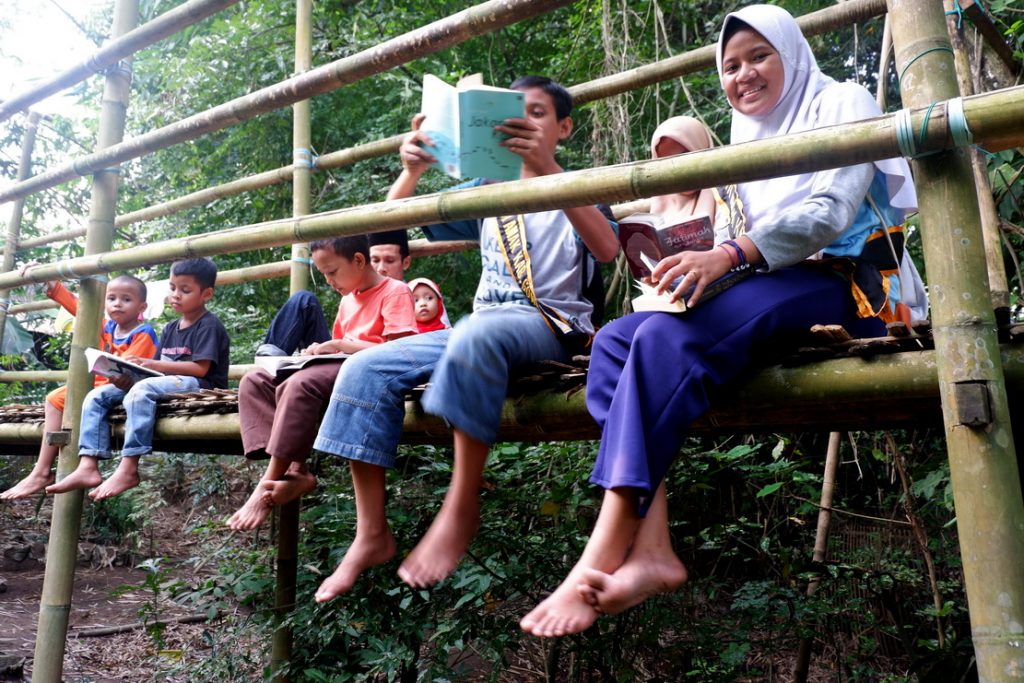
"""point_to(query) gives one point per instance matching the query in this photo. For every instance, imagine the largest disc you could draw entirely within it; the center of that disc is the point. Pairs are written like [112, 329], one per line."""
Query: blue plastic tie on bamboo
[940, 48]
[304, 260]
[116, 170]
[924, 127]
[905, 134]
[303, 158]
[5, 305]
[959, 12]
[958, 128]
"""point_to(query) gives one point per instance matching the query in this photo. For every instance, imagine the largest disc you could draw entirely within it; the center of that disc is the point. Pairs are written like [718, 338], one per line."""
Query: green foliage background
[744, 520]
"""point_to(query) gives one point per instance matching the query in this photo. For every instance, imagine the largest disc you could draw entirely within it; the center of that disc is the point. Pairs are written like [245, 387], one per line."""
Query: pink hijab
[694, 136]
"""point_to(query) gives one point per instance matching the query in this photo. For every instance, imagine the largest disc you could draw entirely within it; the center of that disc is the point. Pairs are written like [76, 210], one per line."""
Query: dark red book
[648, 234]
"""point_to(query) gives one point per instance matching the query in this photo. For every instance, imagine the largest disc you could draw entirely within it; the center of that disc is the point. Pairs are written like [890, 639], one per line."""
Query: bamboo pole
[814, 23]
[288, 515]
[990, 223]
[62, 551]
[166, 24]
[10, 376]
[983, 463]
[483, 18]
[993, 117]
[811, 24]
[892, 391]
[28, 142]
[828, 486]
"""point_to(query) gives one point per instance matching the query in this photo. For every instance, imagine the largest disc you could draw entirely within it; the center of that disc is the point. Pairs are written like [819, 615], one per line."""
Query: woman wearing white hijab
[642, 401]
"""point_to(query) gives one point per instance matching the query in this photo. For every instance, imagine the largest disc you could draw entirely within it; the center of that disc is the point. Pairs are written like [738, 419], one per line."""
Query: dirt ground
[108, 592]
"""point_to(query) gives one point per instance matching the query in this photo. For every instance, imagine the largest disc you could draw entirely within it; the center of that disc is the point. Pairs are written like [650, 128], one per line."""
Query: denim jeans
[140, 408]
[299, 323]
[469, 385]
[364, 417]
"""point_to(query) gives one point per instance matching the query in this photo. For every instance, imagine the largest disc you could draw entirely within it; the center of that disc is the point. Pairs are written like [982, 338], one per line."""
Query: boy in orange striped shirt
[122, 334]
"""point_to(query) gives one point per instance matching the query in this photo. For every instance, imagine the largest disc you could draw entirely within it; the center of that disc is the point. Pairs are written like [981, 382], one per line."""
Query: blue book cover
[460, 121]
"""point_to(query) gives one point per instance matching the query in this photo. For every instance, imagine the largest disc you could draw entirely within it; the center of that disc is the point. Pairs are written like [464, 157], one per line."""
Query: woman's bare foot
[563, 612]
[361, 555]
[638, 579]
[439, 551]
[33, 483]
[81, 478]
[255, 510]
[117, 483]
[292, 485]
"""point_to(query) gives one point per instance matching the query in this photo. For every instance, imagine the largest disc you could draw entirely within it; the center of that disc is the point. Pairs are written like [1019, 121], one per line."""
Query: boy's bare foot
[33, 483]
[79, 479]
[632, 583]
[292, 485]
[117, 483]
[255, 510]
[439, 551]
[361, 555]
[563, 612]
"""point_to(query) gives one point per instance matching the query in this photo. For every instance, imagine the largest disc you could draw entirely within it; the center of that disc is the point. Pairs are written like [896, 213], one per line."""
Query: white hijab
[802, 106]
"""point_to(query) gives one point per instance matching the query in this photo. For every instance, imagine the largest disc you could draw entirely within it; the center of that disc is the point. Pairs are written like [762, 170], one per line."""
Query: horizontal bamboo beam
[457, 28]
[897, 390]
[993, 117]
[168, 23]
[266, 271]
[814, 23]
[11, 376]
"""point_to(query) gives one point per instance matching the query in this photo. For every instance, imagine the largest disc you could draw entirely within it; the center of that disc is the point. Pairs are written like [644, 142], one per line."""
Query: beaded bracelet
[734, 260]
[739, 251]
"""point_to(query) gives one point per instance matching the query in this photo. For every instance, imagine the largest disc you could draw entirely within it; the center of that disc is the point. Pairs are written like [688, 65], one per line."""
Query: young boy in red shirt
[277, 416]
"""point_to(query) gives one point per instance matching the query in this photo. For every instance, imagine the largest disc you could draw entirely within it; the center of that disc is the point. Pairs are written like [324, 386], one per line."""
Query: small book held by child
[649, 234]
[109, 365]
[282, 365]
[460, 121]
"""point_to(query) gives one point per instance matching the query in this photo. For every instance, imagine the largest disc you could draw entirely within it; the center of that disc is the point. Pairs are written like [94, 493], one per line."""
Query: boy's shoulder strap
[512, 238]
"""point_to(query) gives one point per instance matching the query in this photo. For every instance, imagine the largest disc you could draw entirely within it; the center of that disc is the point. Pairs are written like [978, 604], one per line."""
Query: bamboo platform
[857, 384]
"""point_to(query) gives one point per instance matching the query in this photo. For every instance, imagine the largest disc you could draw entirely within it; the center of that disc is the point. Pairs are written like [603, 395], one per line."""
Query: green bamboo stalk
[457, 28]
[814, 23]
[801, 667]
[10, 376]
[990, 227]
[898, 390]
[62, 551]
[166, 24]
[288, 515]
[993, 117]
[28, 142]
[28, 307]
[982, 457]
[266, 271]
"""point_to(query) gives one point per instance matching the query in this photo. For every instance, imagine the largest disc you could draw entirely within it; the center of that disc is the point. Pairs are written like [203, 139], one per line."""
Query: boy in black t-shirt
[193, 355]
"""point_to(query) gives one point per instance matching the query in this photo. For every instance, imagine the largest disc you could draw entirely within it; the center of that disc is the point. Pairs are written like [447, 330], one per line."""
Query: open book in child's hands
[278, 366]
[460, 121]
[109, 365]
[651, 235]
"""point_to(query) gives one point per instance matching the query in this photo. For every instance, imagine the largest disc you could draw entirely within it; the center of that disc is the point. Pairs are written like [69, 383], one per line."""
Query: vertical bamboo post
[58, 581]
[986, 203]
[28, 142]
[288, 526]
[801, 668]
[983, 465]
